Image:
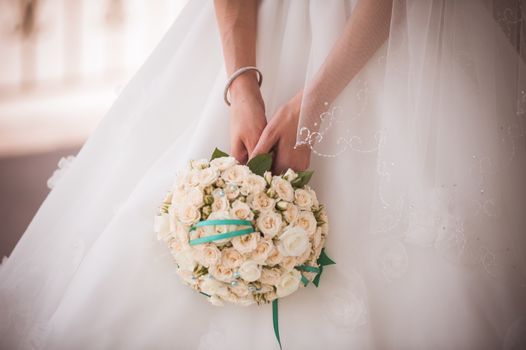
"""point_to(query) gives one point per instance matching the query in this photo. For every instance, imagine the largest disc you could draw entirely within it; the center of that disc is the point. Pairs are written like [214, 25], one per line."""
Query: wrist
[245, 85]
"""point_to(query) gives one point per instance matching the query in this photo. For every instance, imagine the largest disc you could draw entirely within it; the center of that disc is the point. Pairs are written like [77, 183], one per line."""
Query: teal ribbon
[323, 260]
[221, 235]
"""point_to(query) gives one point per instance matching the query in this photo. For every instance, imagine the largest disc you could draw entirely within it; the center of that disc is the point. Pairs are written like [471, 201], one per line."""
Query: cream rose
[209, 254]
[221, 273]
[290, 214]
[250, 271]
[188, 214]
[254, 184]
[269, 223]
[288, 263]
[283, 188]
[236, 174]
[199, 164]
[231, 258]
[262, 250]
[260, 201]
[241, 211]
[194, 196]
[207, 176]
[245, 243]
[288, 283]
[218, 229]
[303, 199]
[270, 276]
[293, 242]
[274, 257]
[192, 178]
[220, 204]
[222, 163]
[307, 221]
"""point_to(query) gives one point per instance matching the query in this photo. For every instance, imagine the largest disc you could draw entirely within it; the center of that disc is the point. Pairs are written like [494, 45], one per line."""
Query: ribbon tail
[275, 320]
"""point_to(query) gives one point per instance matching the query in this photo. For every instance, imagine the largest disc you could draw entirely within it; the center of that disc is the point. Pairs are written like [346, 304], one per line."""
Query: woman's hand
[247, 116]
[280, 135]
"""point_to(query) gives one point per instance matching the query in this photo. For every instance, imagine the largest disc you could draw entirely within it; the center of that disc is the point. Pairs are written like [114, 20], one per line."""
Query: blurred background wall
[62, 64]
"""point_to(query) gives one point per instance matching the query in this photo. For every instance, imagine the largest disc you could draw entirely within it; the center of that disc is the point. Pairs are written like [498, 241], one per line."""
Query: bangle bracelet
[236, 74]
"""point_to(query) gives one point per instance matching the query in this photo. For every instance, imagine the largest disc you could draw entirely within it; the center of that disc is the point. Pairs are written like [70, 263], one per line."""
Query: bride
[411, 113]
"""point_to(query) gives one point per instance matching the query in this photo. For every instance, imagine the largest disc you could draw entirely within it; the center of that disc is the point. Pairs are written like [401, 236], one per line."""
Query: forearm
[365, 31]
[237, 22]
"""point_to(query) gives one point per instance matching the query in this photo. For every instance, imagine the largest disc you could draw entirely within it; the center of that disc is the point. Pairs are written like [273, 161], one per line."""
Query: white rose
[254, 183]
[303, 199]
[288, 283]
[222, 163]
[209, 254]
[212, 286]
[194, 196]
[188, 214]
[185, 259]
[245, 243]
[293, 242]
[270, 276]
[283, 188]
[262, 250]
[269, 223]
[231, 258]
[187, 276]
[241, 211]
[221, 273]
[307, 221]
[236, 174]
[290, 214]
[199, 164]
[161, 226]
[207, 176]
[260, 201]
[250, 271]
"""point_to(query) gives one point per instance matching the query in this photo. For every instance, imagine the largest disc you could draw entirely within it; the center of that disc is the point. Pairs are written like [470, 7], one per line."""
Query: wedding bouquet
[241, 235]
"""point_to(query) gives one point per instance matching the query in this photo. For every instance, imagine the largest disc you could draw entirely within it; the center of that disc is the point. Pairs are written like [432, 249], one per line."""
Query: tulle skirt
[429, 250]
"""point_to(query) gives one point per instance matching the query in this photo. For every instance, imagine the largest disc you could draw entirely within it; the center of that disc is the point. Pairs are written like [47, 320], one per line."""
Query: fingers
[266, 141]
[239, 151]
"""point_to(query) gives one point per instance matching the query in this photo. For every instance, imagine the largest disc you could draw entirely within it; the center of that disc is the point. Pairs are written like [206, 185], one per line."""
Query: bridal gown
[425, 191]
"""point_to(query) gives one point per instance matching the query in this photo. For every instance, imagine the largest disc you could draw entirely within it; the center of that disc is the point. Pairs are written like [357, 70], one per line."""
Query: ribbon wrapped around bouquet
[241, 235]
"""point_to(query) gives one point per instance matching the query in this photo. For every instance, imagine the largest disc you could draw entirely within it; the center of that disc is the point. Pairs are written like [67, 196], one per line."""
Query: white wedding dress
[425, 189]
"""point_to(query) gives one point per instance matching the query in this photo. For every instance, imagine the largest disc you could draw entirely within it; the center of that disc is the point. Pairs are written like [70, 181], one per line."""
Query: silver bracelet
[236, 74]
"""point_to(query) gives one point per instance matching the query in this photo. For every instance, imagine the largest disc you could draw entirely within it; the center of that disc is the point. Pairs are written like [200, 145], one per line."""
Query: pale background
[62, 64]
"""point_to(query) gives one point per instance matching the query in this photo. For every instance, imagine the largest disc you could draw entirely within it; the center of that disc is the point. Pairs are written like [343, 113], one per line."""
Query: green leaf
[260, 163]
[218, 154]
[302, 179]
[323, 259]
[316, 280]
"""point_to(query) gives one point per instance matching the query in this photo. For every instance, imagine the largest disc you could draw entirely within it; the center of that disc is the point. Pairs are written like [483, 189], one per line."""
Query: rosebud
[282, 205]
[209, 199]
[268, 177]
